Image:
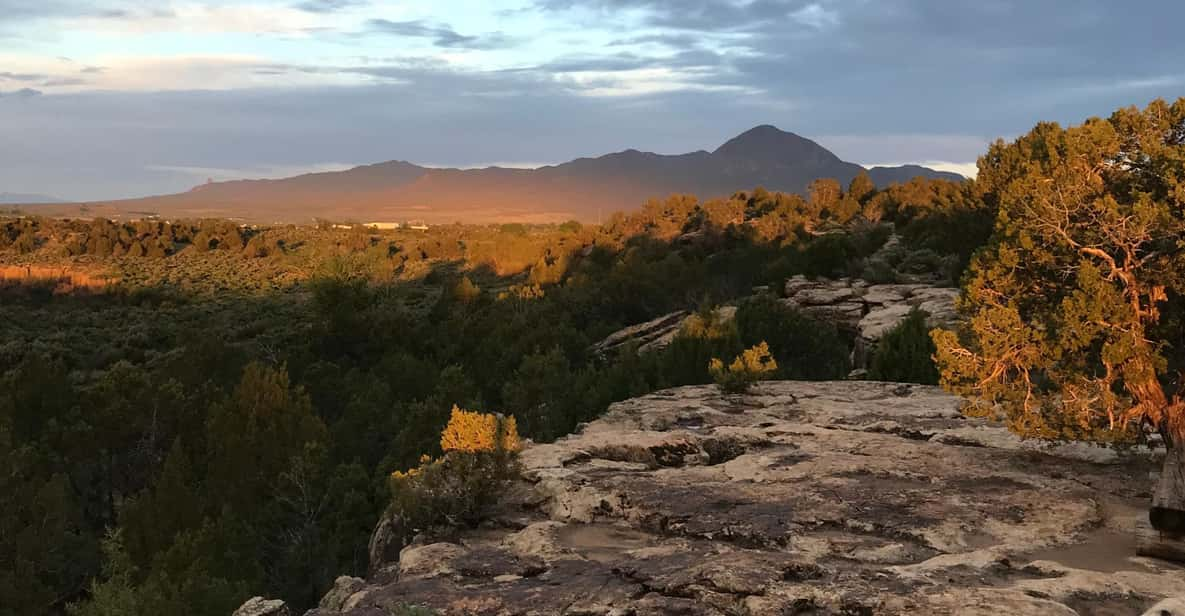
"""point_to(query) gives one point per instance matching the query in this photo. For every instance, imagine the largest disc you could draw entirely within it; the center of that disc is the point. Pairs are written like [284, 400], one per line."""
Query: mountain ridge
[584, 188]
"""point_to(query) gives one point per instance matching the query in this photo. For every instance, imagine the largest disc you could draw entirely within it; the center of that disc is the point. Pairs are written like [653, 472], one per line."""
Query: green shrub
[703, 336]
[906, 353]
[803, 347]
[456, 489]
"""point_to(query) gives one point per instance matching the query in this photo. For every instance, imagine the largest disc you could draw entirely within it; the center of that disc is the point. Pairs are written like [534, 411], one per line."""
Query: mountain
[8, 198]
[585, 188]
[883, 176]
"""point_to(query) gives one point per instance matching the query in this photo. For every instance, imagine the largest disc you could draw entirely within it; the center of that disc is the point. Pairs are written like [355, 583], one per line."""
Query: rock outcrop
[656, 334]
[800, 498]
[258, 606]
[868, 311]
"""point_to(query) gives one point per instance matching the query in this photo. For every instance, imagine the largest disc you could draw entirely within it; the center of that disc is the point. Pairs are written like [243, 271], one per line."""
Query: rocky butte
[799, 498]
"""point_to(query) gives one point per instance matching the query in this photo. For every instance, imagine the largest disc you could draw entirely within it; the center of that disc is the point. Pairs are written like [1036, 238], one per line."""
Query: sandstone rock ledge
[802, 498]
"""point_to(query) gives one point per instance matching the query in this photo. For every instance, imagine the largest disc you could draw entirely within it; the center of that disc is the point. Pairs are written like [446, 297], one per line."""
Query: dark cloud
[441, 35]
[21, 76]
[45, 81]
[679, 41]
[21, 93]
[626, 61]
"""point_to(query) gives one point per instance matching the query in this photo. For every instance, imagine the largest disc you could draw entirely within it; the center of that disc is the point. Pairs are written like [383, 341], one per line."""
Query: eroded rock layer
[869, 311]
[802, 498]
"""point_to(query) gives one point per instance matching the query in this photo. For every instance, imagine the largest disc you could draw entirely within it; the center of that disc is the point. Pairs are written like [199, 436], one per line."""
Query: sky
[102, 99]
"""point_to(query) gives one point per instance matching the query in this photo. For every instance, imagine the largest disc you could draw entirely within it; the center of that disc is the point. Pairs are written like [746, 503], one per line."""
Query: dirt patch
[602, 543]
[1104, 550]
[1091, 604]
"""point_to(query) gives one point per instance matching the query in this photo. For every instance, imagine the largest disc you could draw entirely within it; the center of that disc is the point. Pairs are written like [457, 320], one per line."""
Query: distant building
[383, 226]
[418, 225]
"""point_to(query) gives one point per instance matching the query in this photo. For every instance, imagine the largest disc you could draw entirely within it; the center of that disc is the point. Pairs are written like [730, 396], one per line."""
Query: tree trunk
[1162, 535]
[1168, 504]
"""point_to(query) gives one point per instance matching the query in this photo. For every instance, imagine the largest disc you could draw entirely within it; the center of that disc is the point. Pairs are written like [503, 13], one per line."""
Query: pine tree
[1068, 303]
[861, 187]
[905, 353]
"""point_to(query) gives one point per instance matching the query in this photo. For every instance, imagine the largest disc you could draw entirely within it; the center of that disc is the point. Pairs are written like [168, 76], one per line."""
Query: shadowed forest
[195, 412]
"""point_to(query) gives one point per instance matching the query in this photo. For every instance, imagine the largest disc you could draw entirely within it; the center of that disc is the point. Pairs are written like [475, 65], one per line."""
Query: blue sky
[109, 98]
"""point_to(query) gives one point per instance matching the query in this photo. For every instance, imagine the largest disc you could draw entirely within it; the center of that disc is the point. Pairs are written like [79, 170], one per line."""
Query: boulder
[642, 333]
[875, 324]
[388, 538]
[656, 334]
[428, 560]
[258, 606]
[341, 596]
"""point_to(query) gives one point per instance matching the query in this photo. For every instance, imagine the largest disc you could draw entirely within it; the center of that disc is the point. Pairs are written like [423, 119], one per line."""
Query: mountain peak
[770, 143]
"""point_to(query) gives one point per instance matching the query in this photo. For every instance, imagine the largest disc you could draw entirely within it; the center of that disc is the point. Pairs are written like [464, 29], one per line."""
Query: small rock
[258, 606]
[344, 587]
[537, 540]
[428, 560]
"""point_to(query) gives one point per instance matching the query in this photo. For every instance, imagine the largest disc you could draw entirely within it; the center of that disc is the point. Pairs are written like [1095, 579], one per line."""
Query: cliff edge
[800, 498]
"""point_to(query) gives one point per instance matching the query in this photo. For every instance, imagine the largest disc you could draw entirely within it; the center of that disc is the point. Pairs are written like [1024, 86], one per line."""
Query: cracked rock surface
[800, 498]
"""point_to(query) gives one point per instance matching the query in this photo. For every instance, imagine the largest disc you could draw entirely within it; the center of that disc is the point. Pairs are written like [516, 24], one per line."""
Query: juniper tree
[1073, 302]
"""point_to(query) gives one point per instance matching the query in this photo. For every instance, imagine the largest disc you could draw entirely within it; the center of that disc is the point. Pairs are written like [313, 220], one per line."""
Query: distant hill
[584, 189]
[8, 198]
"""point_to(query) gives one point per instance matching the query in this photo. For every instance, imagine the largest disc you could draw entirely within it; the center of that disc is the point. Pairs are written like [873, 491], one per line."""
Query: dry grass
[63, 280]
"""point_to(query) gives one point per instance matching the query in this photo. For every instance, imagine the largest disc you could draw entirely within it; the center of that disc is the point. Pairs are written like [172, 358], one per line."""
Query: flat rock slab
[801, 498]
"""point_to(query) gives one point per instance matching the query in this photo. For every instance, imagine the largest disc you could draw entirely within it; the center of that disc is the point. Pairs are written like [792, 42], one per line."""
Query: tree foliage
[906, 353]
[1068, 303]
[223, 423]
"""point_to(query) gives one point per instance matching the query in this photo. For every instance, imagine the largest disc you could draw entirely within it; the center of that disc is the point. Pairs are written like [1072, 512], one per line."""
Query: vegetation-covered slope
[220, 418]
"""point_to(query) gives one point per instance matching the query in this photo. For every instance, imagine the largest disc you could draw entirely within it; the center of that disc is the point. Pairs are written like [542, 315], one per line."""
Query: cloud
[441, 35]
[816, 16]
[329, 6]
[21, 93]
[903, 81]
[263, 172]
[13, 11]
[63, 81]
[21, 76]
[967, 170]
[193, 16]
